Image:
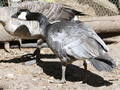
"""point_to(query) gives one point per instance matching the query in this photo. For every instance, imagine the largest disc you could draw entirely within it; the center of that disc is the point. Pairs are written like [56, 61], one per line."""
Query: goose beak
[14, 16]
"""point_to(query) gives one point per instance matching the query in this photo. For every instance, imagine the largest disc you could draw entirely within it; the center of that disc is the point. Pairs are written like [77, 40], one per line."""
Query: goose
[71, 41]
[30, 29]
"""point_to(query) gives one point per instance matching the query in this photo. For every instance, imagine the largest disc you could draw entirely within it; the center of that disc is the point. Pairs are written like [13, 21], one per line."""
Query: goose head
[22, 14]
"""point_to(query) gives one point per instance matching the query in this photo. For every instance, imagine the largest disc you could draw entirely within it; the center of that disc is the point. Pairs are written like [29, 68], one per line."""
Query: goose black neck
[37, 17]
[43, 21]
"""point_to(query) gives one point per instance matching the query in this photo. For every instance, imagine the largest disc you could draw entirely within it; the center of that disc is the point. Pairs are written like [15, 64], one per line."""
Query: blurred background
[94, 8]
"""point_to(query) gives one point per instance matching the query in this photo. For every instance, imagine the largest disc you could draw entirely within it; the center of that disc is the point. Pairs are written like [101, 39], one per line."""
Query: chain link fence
[91, 7]
[94, 7]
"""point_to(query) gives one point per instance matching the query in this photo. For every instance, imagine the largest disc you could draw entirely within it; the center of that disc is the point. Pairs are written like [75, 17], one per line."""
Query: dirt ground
[14, 75]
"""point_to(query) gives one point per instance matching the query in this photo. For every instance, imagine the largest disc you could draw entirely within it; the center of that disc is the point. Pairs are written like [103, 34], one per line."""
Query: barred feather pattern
[16, 27]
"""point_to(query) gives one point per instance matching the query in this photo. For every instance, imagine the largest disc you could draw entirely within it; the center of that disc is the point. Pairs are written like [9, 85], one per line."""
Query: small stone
[0, 77]
[34, 79]
[50, 81]
[60, 84]
[118, 67]
[10, 75]
[44, 86]
[52, 77]
[118, 75]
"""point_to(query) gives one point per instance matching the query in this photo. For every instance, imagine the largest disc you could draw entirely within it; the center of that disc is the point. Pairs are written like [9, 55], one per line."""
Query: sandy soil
[14, 75]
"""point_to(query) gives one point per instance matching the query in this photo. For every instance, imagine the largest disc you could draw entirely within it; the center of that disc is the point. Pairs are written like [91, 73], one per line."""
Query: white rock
[9, 75]
[118, 75]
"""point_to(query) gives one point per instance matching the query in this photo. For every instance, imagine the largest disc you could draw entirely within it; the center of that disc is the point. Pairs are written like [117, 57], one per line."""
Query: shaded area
[16, 44]
[73, 73]
[27, 57]
[116, 2]
[108, 35]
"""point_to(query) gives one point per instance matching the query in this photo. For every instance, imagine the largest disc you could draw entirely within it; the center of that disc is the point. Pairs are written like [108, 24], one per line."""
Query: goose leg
[7, 46]
[63, 80]
[40, 46]
[20, 41]
[36, 52]
[85, 72]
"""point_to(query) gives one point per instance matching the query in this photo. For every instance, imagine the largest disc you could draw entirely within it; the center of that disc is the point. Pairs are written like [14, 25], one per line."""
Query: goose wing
[52, 11]
[75, 39]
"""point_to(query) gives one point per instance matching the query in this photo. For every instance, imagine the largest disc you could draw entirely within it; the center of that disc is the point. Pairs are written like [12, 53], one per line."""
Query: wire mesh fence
[91, 7]
[94, 7]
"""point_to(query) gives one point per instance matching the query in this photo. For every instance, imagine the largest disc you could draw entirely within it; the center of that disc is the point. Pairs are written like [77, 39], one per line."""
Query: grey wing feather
[75, 39]
[91, 33]
[88, 41]
[78, 41]
[52, 11]
[82, 50]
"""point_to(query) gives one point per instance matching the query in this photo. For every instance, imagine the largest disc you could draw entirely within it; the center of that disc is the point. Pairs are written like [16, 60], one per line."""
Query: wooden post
[107, 24]
[8, 3]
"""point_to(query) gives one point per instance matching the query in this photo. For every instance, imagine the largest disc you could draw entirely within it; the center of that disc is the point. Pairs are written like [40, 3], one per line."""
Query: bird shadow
[73, 72]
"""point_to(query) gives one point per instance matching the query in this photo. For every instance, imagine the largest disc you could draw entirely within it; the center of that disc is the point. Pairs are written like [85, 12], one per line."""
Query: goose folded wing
[81, 47]
[78, 41]
[91, 34]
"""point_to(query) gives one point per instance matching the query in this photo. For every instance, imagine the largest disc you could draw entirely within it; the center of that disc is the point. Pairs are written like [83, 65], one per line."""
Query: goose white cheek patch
[22, 16]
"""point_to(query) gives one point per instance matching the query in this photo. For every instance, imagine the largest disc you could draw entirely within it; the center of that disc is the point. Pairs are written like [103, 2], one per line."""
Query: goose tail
[103, 63]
